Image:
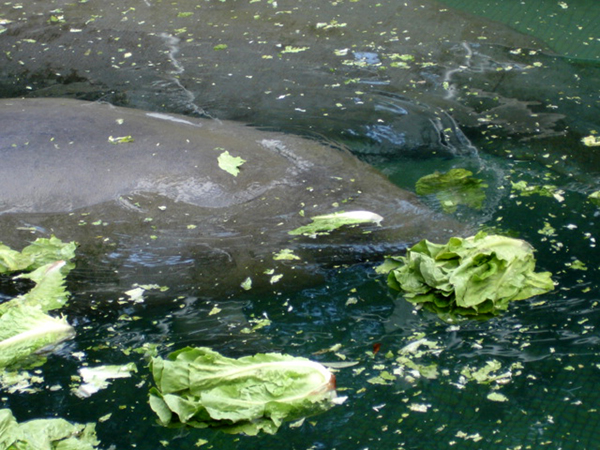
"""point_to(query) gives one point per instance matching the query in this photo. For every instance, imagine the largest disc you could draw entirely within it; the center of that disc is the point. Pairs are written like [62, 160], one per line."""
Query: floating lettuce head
[200, 388]
[478, 276]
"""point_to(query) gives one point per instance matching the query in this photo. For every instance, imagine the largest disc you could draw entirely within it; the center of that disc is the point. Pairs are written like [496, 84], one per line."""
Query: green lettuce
[25, 331]
[39, 253]
[48, 293]
[45, 434]
[200, 388]
[25, 327]
[456, 187]
[230, 164]
[476, 276]
[324, 224]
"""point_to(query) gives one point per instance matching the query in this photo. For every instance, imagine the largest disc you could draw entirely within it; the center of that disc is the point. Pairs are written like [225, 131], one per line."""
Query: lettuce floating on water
[45, 434]
[200, 388]
[476, 276]
[39, 253]
[322, 225]
[26, 330]
[456, 187]
[96, 378]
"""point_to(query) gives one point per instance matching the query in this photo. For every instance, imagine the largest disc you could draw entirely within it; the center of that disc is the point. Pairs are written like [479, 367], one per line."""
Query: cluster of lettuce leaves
[200, 388]
[25, 325]
[477, 276]
[28, 331]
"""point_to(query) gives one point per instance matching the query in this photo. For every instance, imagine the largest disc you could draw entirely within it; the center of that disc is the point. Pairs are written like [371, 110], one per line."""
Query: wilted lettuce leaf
[96, 378]
[456, 187]
[326, 223]
[476, 276]
[45, 434]
[199, 387]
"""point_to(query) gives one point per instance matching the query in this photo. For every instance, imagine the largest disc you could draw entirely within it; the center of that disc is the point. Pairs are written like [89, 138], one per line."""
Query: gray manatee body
[382, 73]
[159, 209]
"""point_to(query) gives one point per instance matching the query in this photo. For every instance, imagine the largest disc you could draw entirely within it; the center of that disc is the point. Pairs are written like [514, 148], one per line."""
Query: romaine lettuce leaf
[199, 387]
[45, 434]
[41, 252]
[48, 293]
[26, 330]
[476, 276]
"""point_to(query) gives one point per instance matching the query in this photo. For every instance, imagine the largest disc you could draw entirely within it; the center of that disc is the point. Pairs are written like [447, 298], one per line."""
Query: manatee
[378, 73]
[145, 197]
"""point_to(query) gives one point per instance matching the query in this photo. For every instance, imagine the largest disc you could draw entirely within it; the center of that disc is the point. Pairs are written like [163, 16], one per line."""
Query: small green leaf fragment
[121, 140]
[230, 164]
[594, 197]
[497, 397]
[591, 141]
[291, 49]
[286, 255]
[246, 284]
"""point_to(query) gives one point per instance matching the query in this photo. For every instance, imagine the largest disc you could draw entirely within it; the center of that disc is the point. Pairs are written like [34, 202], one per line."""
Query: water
[545, 348]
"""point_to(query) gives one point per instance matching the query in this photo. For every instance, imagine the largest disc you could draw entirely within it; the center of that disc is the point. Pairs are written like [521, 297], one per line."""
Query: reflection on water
[540, 360]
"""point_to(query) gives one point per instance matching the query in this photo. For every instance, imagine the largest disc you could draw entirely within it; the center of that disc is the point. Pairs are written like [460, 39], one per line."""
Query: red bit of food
[376, 348]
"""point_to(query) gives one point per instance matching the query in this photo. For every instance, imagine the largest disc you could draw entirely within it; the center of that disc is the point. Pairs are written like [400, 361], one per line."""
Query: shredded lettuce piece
[200, 388]
[96, 378]
[477, 276]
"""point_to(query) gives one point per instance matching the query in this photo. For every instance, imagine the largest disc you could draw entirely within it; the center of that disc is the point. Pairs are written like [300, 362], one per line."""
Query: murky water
[545, 350]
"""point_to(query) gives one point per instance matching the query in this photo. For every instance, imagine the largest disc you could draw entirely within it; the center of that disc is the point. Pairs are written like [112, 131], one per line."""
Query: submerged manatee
[145, 197]
[377, 73]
